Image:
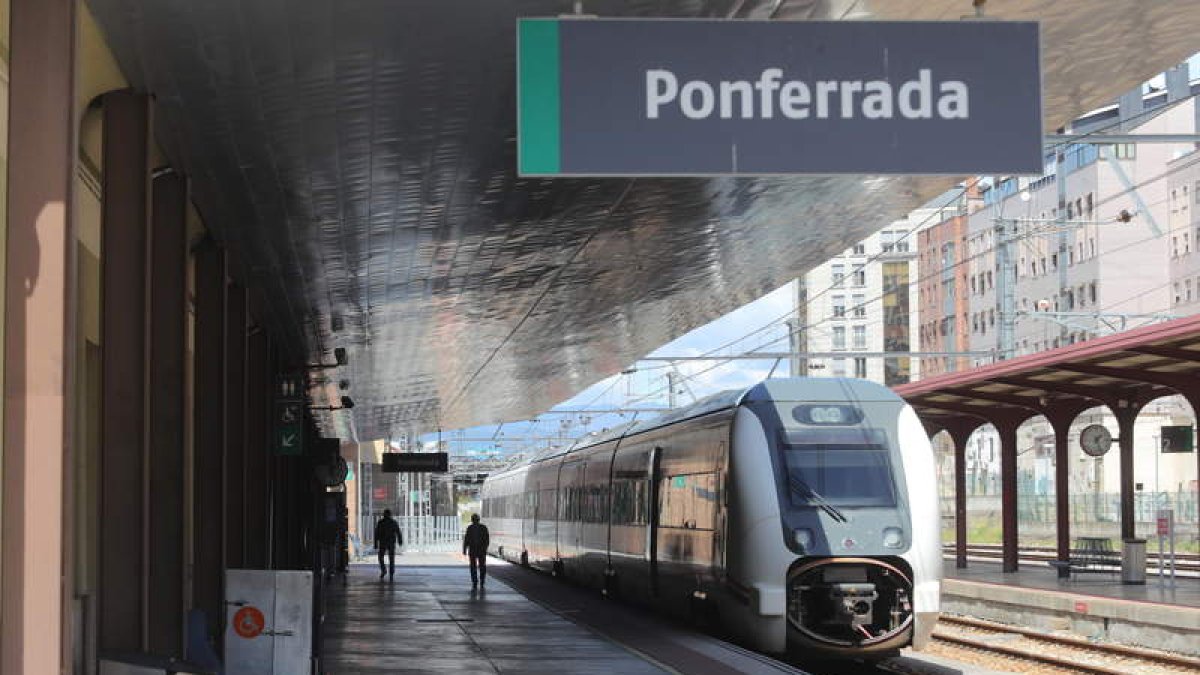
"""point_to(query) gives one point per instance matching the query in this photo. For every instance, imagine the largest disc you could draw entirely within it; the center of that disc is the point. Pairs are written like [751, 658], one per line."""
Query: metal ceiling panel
[358, 158]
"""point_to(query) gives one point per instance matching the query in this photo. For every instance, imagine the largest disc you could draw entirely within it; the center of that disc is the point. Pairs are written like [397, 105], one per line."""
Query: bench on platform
[1090, 555]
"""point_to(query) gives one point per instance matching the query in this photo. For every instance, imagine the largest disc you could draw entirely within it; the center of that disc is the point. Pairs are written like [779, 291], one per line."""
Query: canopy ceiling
[358, 159]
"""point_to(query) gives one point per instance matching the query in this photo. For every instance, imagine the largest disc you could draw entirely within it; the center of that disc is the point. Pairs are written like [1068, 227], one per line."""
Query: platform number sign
[289, 414]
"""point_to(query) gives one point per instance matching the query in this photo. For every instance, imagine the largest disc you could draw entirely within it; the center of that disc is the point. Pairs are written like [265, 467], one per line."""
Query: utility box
[268, 622]
[1133, 561]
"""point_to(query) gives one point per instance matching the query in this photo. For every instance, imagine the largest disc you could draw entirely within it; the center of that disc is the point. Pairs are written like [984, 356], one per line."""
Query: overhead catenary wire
[1077, 140]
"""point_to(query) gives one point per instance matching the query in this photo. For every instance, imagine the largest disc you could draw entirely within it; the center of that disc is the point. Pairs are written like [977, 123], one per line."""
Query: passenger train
[800, 515]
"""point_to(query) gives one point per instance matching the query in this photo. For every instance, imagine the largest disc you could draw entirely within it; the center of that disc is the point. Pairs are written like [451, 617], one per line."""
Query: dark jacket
[387, 533]
[476, 540]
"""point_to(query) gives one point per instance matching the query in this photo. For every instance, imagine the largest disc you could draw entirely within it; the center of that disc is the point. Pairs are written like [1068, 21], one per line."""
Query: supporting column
[1008, 495]
[1062, 504]
[208, 501]
[168, 324]
[257, 434]
[39, 338]
[960, 431]
[235, 434]
[124, 327]
[1126, 414]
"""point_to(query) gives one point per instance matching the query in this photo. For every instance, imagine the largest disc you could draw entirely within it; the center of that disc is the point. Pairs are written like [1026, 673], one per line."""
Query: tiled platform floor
[429, 620]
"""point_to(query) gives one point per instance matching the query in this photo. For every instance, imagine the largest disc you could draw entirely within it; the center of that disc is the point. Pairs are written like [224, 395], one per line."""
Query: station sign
[699, 97]
[416, 462]
[1177, 438]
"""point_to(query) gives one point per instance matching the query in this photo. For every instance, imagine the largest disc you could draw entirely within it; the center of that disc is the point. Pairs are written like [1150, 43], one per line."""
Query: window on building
[1187, 290]
[887, 241]
[860, 337]
[1178, 296]
[839, 274]
[860, 305]
[989, 277]
[860, 276]
[1125, 150]
[1196, 192]
[1089, 205]
[1091, 247]
[1070, 300]
[1174, 247]
[860, 249]
[1070, 211]
[1092, 292]
[860, 367]
[1187, 243]
[1053, 261]
[839, 306]
[839, 367]
[839, 337]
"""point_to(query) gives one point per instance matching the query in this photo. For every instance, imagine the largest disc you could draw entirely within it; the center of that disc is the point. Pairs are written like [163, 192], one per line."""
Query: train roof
[783, 389]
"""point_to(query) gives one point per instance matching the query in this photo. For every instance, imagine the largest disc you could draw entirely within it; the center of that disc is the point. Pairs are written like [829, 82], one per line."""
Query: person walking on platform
[387, 538]
[475, 546]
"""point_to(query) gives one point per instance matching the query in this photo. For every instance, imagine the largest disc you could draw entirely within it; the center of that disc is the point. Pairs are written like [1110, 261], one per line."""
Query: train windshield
[839, 475]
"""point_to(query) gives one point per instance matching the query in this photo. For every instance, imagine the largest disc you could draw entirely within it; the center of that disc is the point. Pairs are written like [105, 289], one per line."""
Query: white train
[800, 514]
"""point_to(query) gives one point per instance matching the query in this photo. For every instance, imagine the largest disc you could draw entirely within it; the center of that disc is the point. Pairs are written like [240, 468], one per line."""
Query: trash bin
[1133, 561]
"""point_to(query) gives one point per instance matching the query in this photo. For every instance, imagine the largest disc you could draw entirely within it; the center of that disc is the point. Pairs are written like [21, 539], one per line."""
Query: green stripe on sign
[538, 97]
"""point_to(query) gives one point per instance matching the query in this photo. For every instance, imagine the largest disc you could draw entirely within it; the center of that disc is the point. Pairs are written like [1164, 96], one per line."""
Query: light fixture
[339, 358]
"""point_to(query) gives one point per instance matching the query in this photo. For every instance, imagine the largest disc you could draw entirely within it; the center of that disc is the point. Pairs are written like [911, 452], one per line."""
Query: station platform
[430, 620]
[1095, 606]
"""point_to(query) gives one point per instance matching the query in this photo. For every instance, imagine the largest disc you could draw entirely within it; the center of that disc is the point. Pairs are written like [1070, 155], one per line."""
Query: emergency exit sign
[686, 97]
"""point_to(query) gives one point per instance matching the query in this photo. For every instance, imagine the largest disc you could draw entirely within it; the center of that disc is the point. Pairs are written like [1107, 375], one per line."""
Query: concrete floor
[429, 620]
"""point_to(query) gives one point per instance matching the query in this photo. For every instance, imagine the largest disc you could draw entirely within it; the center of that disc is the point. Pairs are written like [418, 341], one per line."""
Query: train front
[853, 560]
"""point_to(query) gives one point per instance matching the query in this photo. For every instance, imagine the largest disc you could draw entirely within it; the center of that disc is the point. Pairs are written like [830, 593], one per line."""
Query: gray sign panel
[701, 97]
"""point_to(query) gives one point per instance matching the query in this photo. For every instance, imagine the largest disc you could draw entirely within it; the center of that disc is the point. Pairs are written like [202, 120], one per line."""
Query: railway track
[1004, 647]
[1186, 564]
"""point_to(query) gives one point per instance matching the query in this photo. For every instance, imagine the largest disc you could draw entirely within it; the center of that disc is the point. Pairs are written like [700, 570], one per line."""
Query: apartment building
[862, 304]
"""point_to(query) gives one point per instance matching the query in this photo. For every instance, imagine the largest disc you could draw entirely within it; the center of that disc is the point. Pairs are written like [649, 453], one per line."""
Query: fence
[431, 533]
[1092, 514]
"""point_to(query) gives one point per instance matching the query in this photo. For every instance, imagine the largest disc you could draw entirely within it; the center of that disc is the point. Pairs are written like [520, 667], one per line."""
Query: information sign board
[415, 462]
[700, 97]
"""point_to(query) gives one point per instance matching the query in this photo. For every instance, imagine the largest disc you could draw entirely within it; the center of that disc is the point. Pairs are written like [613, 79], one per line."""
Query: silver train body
[801, 514]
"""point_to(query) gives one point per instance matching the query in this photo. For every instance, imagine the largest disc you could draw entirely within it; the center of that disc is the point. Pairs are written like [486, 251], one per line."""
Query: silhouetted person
[387, 537]
[475, 546]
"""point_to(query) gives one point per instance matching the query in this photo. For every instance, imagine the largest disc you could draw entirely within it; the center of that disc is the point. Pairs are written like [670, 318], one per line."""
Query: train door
[654, 494]
[569, 521]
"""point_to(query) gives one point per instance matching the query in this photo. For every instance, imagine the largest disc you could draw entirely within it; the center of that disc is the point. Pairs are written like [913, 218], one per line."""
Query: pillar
[257, 435]
[168, 351]
[960, 503]
[1126, 414]
[1008, 494]
[1062, 489]
[39, 338]
[124, 332]
[208, 517]
[235, 430]
[960, 430]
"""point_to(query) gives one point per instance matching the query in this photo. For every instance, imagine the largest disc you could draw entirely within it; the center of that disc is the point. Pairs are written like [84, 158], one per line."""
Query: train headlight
[893, 537]
[803, 537]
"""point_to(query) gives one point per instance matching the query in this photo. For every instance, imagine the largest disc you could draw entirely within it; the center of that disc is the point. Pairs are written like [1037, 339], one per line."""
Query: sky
[646, 386]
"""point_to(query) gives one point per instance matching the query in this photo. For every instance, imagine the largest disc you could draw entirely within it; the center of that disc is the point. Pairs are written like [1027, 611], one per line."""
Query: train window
[827, 414]
[690, 501]
[841, 475]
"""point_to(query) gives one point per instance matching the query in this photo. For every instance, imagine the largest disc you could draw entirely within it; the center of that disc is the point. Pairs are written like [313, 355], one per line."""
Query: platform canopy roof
[1126, 369]
[358, 160]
